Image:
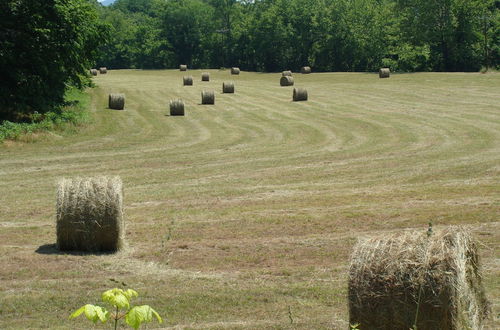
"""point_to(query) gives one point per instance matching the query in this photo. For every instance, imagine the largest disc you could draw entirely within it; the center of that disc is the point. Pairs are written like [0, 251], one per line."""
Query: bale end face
[177, 107]
[187, 80]
[208, 97]
[299, 94]
[286, 81]
[90, 214]
[235, 71]
[390, 277]
[384, 73]
[228, 87]
[93, 72]
[305, 70]
[205, 76]
[183, 67]
[116, 101]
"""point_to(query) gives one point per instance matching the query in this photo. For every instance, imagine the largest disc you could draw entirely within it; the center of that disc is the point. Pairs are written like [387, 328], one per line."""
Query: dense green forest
[47, 46]
[329, 35]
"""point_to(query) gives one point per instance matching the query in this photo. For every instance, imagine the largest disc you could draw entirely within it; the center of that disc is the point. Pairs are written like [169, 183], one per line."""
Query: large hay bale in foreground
[90, 214]
[384, 73]
[286, 81]
[93, 72]
[228, 87]
[389, 275]
[208, 97]
[187, 80]
[286, 73]
[103, 70]
[177, 107]
[305, 69]
[299, 94]
[183, 67]
[116, 101]
[205, 76]
[235, 71]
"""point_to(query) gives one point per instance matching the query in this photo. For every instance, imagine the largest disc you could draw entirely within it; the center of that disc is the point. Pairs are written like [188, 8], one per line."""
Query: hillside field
[242, 215]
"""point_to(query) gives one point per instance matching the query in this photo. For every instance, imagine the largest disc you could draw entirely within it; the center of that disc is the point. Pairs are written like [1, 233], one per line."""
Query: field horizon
[243, 214]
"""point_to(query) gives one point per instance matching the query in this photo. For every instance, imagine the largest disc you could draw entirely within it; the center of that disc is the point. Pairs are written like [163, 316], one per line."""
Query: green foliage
[119, 299]
[45, 46]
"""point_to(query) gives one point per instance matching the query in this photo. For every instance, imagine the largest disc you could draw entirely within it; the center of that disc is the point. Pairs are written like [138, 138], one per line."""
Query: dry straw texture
[389, 275]
[305, 69]
[93, 72]
[299, 94]
[187, 80]
[205, 76]
[228, 87]
[90, 214]
[183, 67]
[235, 70]
[286, 73]
[116, 101]
[177, 107]
[286, 81]
[207, 97]
[384, 73]
[103, 70]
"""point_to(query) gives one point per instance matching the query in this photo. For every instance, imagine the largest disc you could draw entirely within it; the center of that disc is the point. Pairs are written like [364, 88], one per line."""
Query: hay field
[242, 215]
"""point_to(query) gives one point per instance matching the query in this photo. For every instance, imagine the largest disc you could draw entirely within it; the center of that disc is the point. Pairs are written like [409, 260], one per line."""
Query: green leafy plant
[354, 326]
[120, 300]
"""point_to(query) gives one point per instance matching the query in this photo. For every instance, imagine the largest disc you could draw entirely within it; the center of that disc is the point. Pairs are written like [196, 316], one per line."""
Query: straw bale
[440, 273]
[90, 214]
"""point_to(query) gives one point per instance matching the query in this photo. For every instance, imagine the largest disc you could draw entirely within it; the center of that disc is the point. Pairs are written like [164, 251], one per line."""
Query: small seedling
[120, 300]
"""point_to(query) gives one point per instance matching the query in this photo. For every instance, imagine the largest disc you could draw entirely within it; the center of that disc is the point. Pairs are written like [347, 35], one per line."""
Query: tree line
[47, 46]
[329, 35]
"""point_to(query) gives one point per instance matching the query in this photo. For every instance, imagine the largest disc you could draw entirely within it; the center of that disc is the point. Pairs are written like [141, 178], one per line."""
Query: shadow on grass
[52, 249]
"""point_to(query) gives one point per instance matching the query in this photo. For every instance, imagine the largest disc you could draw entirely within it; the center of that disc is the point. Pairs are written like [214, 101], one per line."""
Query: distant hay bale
[93, 72]
[116, 101]
[90, 214]
[207, 97]
[286, 81]
[228, 87]
[205, 76]
[384, 73]
[103, 70]
[187, 80]
[183, 67]
[299, 94]
[389, 275]
[177, 107]
[305, 69]
[235, 71]
[286, 73]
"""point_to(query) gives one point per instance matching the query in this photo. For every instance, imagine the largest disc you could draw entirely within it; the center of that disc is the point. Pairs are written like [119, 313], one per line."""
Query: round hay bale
[228, 87]
[299, 94]
[286, 81]
[205, 76]
[235, 71]
[183, 67]
[187, 80]
[208, 97]
[286, 73]
[93, 72]
[384, 73]
[390, 276]
[90, 214]
[116, 101]
[103, 70]
[305, 69]
[177, 107]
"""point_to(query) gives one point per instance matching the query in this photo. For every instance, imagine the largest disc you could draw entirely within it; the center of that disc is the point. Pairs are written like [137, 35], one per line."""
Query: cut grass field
[243, 214]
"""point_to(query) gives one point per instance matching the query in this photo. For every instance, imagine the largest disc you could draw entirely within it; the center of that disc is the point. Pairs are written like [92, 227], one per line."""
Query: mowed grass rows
[243, 214]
